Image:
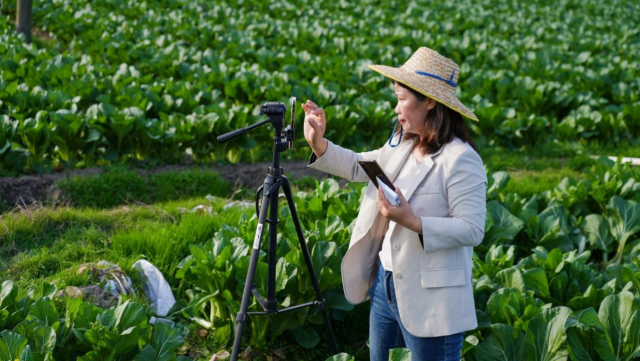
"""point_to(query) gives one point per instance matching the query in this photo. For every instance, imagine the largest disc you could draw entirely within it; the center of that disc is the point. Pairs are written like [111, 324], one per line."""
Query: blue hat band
[449, 81]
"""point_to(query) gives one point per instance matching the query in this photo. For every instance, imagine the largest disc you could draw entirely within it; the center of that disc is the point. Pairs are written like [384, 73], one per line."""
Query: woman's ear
[430, 103]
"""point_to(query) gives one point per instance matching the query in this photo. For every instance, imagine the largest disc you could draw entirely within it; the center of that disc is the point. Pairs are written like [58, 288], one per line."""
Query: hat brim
[426, 87]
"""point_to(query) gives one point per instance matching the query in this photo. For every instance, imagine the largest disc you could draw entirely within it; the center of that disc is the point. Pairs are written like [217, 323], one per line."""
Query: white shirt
[411, 168]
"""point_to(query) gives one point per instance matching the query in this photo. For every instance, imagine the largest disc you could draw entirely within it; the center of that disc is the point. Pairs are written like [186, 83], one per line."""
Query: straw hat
[431, 74]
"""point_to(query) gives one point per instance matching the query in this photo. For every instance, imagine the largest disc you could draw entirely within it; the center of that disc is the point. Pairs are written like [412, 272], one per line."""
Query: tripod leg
[272, 258]
[255, 252]
[307, 257]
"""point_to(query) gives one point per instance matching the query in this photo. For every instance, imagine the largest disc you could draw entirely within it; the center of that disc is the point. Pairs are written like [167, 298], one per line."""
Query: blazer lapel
[393, 160]
[415, 181]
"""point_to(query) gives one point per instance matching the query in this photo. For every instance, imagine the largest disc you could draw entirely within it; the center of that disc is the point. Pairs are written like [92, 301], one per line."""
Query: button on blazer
[432, 281]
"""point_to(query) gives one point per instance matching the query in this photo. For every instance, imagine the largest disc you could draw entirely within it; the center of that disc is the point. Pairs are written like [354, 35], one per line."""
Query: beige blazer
[433, 285]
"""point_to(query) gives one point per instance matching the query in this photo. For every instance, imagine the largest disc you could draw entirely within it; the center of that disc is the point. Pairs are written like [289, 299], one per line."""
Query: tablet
[373, 170]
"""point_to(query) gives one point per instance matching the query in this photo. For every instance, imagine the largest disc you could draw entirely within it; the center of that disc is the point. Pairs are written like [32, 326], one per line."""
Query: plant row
[148, 84]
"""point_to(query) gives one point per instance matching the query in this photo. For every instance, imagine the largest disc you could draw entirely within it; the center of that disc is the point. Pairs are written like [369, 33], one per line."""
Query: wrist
[320, 147]
[416, 225]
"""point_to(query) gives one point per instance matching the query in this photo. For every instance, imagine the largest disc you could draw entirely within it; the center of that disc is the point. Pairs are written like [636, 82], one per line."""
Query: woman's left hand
[402, 214]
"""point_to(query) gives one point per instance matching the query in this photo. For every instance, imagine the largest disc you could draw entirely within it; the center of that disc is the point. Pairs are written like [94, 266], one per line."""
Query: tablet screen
[373, 170]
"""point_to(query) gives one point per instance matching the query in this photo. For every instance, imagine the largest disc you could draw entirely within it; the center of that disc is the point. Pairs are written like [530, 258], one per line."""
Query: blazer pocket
[442, 277]
[427, 190]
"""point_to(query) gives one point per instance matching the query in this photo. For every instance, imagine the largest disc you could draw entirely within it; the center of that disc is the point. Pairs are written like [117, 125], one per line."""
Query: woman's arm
[467, 191]
[342, 162]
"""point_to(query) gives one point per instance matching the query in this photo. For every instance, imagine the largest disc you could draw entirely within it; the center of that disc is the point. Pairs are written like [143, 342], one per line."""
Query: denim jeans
[387, 332]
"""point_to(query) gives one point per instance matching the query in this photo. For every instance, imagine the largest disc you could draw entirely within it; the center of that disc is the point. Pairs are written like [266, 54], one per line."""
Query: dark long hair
[441, 125]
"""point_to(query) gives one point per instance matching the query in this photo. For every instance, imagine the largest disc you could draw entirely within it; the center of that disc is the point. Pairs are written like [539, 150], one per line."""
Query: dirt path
[29, 189]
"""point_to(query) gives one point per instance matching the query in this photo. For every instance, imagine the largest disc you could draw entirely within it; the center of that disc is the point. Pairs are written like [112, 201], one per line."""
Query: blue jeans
[387, 332]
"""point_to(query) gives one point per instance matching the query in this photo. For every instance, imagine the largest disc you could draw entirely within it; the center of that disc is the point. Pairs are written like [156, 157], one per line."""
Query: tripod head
[275, 112]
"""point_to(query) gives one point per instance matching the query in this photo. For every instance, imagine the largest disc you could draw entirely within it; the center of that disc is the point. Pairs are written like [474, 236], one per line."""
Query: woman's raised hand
[315, 123]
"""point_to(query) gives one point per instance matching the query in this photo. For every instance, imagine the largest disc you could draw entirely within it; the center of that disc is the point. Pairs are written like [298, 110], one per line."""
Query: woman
[414, 260]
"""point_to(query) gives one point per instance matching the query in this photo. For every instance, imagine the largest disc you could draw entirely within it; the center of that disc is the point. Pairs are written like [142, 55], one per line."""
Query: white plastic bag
[155, 286]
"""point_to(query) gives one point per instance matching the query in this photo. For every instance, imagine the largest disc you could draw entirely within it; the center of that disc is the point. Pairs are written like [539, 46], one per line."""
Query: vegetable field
[156, 81]
[119, 84]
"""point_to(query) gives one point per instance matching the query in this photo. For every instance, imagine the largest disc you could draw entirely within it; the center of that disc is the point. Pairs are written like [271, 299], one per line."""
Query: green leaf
[26, 328]
[11, 345]
[148, 353]
[306, 336]
[315, 205]
[4, 316]
[36, 136]
[44, 340]
[624, 221]
[321, 253]
[546, 337]
[504, 343]
[129, 315]
[550, 229]
[583, 57]
[588, 299]
[558, 286]
[620, 317]
[333, 225]
[8, 294]
[586, 337]
[497, 182]
[259, 328]
[483, 319]
[596, 229]
[336, 300]
[329, 188]
[536, 280]
[198, 253]
[505, 306]
[164, 342]
[329, 279]
[44, 311]
[399, 354]
[80, 314]
[49, 290]
[224, 332]
[239, 249]
[511, 278]
[469, 343]
[554, 261]
[26, 354]
[341, 357]
[12, 88]
[505, 225]
[284, 273]
[196, 307]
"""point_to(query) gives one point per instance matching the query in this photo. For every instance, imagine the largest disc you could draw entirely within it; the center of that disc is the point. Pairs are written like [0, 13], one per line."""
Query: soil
[252, 175]
[29, 189]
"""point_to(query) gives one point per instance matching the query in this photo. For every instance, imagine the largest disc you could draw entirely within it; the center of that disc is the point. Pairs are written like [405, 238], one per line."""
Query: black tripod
[270, 191]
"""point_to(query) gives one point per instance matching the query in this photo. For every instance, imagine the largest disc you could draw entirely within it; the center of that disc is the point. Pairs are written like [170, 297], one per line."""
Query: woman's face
[412, 114]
